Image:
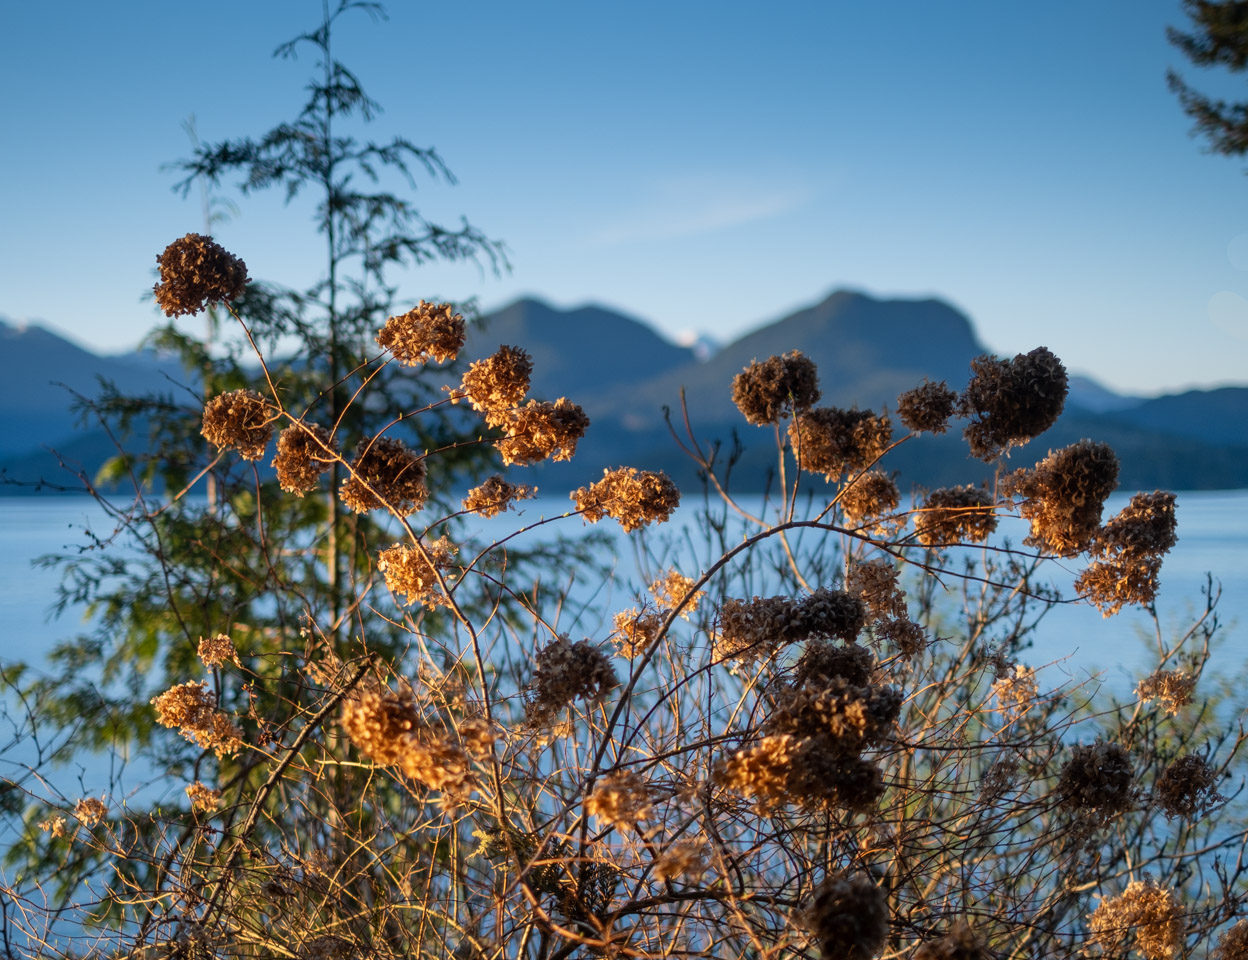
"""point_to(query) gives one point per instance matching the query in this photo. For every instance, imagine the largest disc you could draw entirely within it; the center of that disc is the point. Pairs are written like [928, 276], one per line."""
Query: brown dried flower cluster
[196, 271]
[870, 497]
[1233, 945]
[429, 331]
[621, 799]
[54, 825]
[683, 858]
[240, 420]
[1016, 690]
[1131, 546]
[633, 497]
[1097, 777]
[758, 627]
[411, 573]
[875, 583]
[1145, 913]
[960, 943]
[768, 391]
[498, 383]
[635, 631]
[849, 918]
[496, 495]
[674, 588]
[192, 708]
[202, 797]
[1064, 495]
[956, 515]
[1011, 401]
[537, 431]
[1173, 688]
[834, 442]
[567, 671]
[214, 651]
[1187, 788]
[304, 452]
[385, 473]
[90, 811]
[927, 408]
[904, 634]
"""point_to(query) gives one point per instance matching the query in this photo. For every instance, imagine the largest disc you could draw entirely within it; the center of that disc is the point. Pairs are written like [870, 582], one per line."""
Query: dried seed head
[240, 420]
[1187, 788]
[1011, 401]
[1097, 777]
[498, 383]
[1233, 944]
[683, 858]
[769, 391]
[620, 799]
[378, 721]
[672, 589]
[90, 811]
[927, 408]
[54, 825]
[823, 663]
[874, 582]
[496, 495]
[395, 474]
[960, 943]
[1064, 495]
[214, 651]
[567, 671]
[749, 629]
[870, 497]
[1173, 688]
[848, 718]
[1132, 545]
[1016, 691]
[1110, 584]
[192, 708]
[537, 431]
[410, 572]
[834, 442]
[1146, 913]
[304, 452]
[955, 515]
[634, 498]
[202, 797]
[427, 332]
[635, 632]
[196, 271]
[904, 634]
[849, 918]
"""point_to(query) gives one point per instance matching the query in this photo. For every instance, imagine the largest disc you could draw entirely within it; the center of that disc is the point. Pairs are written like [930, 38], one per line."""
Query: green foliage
[1218, 38]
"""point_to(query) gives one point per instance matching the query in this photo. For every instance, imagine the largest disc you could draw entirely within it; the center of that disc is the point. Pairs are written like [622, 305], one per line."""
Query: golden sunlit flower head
[927, 408]
[496, 495]
[538, 430]
[90, 811]
[835, 442]
[386, 474]
[196, 271]
[240, 420]
[1145, 913]
[498, 383]
[203, 798]
[410, 572]
[214, 651]
[429, 331]
[304, 452]
[634, 498]
[955, 515]
[1064, 494]
[767, 392]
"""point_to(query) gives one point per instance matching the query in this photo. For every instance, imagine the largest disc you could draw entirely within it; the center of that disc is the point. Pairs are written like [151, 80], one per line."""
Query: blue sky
[704, 166]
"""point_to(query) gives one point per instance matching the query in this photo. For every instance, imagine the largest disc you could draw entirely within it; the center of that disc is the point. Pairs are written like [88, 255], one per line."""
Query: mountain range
[626, 375]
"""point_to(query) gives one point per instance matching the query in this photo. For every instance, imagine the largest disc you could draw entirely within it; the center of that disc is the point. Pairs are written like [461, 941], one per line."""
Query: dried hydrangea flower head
[673, 589]
[1233, 944]
[1173, 688]
[498, 383]
[767, 392]
[635, 631]
[870, 497]
[1187, 788]
[304, 452]
[196, 271]
[927, 408]
[960, 943]
[683, 858]
[203, 798]
[90, 811]
[1146, 913]
[749, 629]
[496, 495]
[633, 497]
[192, 708]
[54, 826]
[411, 572]
[835, 442]
[378, 721]
[395, 474]
[1064, 495]
[214, 651]
[239, 420]
[429, 331]
[567, 671]
[1016, 690]
[955, 515]
[537, 431]
[620, 799]
[874, 582]
[1131, 546]
[1011, 401]
[849, 918]
[1097, 777]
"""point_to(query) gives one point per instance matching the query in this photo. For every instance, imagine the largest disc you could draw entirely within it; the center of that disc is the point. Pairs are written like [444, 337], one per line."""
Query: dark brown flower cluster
[429, 331]
[768, 391]
[749, 629]
[633, 497]
[960, 943]
[875, 583]
[1187, 788]
[1130, 548]
[872, 496]
[192, 708]
[304, 452]
[1233, 945]
[412, 573]
[498, 383]
[385, 474]
[495, 496]
[835, 442]
[196, 271]
[1097, 777]
[1011, 401]
[927, 408]
[1064, 495]
[566, 671]
[540, 430]
[621, 799]
[955, 515]
[849, 918]
[1146, 913]
[239, 420]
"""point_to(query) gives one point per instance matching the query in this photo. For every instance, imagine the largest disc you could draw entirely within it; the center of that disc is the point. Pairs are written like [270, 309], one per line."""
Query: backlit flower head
[196, 271]
[429, 331]
[304, 452]
[239, 420]
[538, 431]
[927, 408]
[872, 496]
[202, 797]
[621, 799]
[633, 497]
[1064, 495]
[192, 708]
[849, 918]
[395, 474]
[216, 650]
[90, 811]
[498, 383]
[1187, 788]
[672, 589]
[567, 671]
[768, 391]
[1146, 914]
[835, 442]
[1011, 401]
[411, 573]
[1097, 777]
[496, 495]
[955, 515]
